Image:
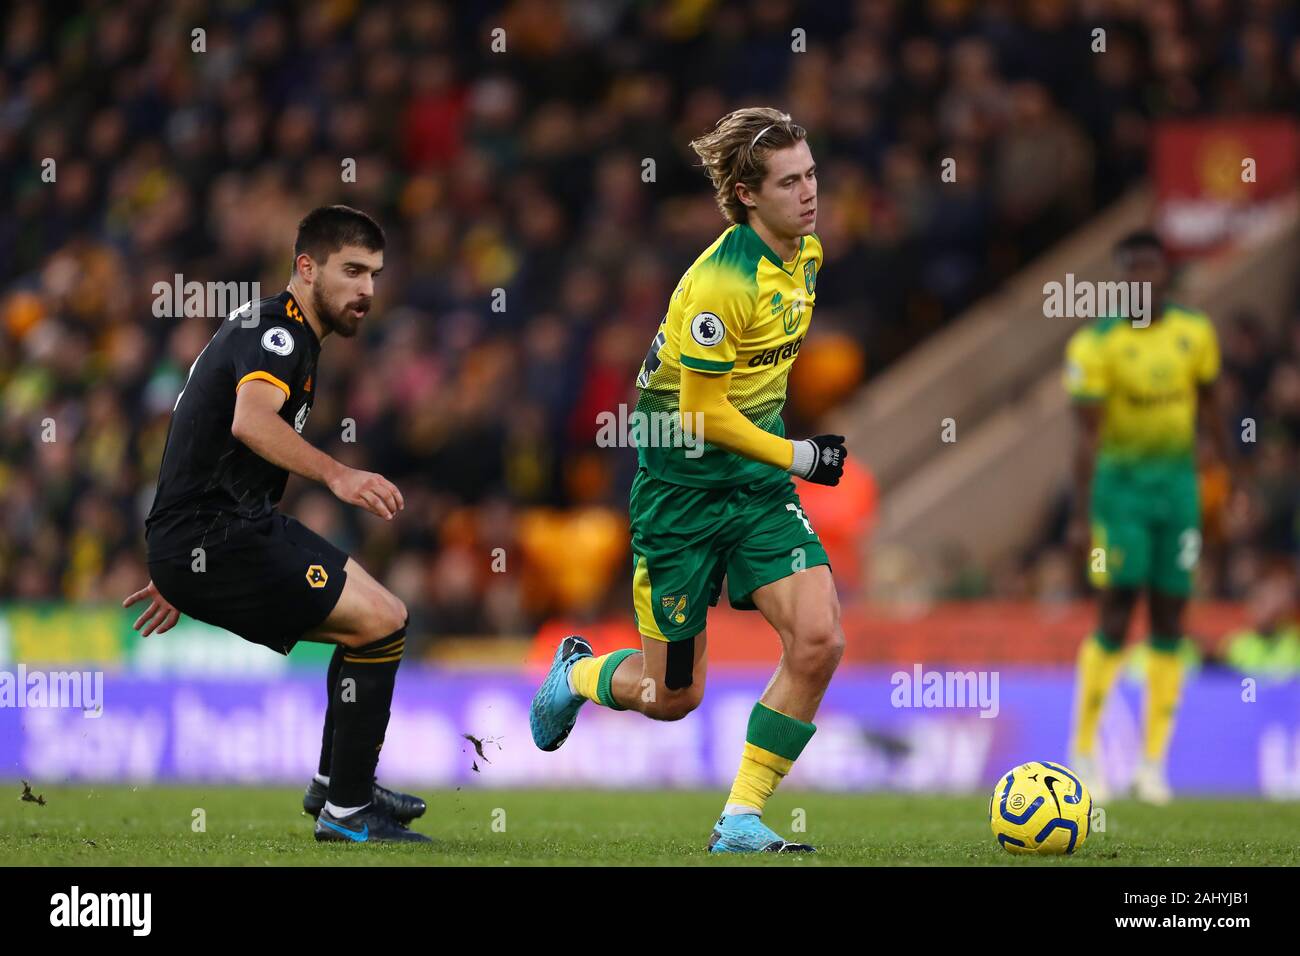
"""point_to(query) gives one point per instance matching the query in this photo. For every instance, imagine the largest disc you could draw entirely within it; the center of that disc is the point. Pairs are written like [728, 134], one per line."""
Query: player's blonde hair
[736, 151]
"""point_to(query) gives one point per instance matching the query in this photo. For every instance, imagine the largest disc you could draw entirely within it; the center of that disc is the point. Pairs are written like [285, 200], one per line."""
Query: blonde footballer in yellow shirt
[718, 500]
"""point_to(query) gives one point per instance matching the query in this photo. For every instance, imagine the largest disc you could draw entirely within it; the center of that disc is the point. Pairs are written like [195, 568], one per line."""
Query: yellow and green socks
[1099, 665]
[593, 677]
[1099, 662]
[773, 742]
[1164, 685]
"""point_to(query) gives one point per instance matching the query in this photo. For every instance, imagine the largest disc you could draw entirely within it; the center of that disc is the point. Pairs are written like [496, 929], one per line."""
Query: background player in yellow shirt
[717, 370]
[1137, 391]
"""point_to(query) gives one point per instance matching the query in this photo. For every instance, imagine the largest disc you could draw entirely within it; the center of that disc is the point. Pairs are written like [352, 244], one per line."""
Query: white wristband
[805, 458]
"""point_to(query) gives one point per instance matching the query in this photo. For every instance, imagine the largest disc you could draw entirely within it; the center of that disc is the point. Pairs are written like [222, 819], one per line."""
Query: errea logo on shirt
[707, 329]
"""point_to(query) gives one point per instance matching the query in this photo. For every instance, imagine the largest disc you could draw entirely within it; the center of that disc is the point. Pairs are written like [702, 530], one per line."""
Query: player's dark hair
[327, 229]
[1137, 241]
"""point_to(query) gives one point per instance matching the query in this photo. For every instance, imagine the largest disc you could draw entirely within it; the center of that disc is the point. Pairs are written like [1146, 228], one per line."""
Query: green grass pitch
[87, 825]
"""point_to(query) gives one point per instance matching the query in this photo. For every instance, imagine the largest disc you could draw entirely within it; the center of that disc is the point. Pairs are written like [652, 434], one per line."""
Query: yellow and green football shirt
[1147, 380]
[1145, 504]
[738, 308]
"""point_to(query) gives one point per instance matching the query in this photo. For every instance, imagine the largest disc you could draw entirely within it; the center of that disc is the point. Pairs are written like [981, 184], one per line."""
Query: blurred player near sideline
[717, 370]
[219, 550]
[1139, 393]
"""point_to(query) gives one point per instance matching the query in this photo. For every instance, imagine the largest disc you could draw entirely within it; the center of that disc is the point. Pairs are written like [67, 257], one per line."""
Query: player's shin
[1164, 686]
[773, 742]
[327, 733]
[1099, 663]
[360, 706]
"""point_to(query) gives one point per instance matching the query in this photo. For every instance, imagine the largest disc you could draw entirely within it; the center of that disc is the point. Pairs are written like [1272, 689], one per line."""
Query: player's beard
[340, 320]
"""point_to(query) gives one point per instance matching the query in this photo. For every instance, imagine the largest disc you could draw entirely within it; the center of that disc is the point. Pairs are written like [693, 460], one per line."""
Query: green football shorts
[1146, 519]
[685, 539]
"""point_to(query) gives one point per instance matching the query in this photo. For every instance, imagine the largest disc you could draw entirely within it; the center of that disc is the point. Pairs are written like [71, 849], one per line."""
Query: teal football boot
[555, 707]
[747, 833]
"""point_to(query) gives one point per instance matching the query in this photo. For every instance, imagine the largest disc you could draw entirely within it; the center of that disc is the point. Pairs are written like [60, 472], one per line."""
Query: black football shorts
[270, 584]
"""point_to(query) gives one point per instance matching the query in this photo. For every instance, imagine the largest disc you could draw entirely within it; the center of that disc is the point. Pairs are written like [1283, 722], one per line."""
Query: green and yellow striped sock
[592, 677]
[773, 742]
[1164, 688]
[1099, 662]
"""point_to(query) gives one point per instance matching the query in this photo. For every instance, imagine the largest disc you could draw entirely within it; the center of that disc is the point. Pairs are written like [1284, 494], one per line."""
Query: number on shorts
[791, 506]
[1189, 549]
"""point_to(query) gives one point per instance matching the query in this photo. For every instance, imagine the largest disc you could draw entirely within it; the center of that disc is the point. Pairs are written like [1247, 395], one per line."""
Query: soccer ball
[1040, 807]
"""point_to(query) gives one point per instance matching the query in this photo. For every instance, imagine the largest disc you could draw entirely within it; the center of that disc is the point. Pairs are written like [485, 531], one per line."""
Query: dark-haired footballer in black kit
[277, 579]
[219, 550]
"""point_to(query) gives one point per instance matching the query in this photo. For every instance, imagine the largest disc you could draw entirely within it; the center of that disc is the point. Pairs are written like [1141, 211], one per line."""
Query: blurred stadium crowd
[523, 171]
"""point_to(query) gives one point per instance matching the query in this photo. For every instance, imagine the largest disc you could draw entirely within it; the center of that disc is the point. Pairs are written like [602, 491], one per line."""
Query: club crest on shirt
[707, 329]
[277, 340]
[810, 276]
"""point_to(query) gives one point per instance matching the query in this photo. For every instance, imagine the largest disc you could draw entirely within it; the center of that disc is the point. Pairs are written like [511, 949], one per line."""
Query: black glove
[820, 459]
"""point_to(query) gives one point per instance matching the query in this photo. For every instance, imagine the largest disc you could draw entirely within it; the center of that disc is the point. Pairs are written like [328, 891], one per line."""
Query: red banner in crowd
[1218, 181]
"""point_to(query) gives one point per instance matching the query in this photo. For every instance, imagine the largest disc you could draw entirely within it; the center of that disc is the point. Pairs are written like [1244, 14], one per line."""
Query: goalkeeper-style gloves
[820, 459]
